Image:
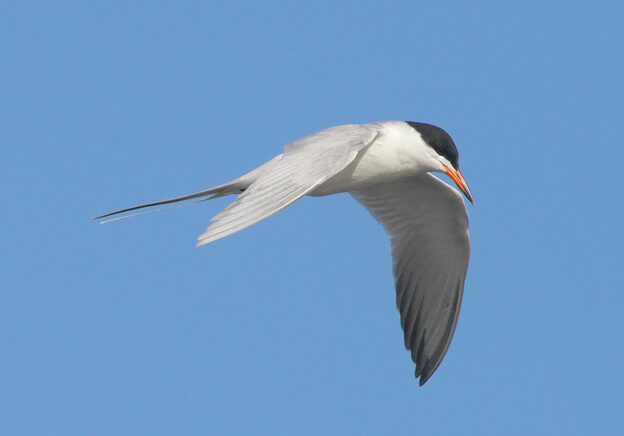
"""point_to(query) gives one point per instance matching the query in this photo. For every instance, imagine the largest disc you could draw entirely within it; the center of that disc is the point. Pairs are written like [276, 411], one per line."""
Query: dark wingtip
[424, 377]
[422, 373]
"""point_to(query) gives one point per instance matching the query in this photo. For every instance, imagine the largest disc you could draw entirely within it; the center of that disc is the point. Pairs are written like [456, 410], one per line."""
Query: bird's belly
[376, 164]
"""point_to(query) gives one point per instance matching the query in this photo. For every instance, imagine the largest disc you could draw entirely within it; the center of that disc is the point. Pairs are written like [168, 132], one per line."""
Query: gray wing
[428, 227]
[303, 165]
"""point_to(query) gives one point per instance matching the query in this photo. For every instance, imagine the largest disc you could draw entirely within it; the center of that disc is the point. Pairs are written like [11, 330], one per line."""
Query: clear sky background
[290, 327]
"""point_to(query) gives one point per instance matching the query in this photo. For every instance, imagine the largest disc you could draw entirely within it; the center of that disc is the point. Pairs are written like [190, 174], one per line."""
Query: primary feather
[304, 165]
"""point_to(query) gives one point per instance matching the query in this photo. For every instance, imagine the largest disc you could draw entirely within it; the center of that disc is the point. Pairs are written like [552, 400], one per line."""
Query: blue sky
[290, 327]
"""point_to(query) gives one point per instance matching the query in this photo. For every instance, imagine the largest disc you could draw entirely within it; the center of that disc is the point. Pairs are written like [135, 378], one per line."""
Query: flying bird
[386, 166]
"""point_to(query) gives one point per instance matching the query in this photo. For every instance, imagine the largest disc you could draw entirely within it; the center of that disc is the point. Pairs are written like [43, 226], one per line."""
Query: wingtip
[423, 373]
[420, 376]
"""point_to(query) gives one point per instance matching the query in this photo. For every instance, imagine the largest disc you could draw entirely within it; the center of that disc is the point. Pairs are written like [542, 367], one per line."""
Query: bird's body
[386, 167]
[392, 155]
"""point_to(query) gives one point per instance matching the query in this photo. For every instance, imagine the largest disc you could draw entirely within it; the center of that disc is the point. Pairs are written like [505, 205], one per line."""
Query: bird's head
[441, 154]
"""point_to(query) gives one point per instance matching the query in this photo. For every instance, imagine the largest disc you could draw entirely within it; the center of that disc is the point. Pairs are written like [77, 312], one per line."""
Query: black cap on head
[439, 140]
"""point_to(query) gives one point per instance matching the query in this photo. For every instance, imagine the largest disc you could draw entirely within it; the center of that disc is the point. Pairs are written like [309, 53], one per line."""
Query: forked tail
[234, 187]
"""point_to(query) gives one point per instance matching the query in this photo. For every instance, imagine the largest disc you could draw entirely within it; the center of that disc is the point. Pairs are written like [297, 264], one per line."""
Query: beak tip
[457, 177]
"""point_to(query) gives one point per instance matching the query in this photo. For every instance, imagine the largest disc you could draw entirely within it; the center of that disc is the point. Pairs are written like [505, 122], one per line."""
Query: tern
[386, 166]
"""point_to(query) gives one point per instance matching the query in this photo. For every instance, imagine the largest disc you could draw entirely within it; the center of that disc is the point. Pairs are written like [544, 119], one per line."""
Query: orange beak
[460, 182]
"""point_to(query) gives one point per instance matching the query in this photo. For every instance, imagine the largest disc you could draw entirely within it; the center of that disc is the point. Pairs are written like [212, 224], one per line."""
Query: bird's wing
[303, 165]
[428, 227]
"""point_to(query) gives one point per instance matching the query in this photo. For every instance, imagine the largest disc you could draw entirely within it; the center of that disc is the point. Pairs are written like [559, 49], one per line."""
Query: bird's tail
[234, 187]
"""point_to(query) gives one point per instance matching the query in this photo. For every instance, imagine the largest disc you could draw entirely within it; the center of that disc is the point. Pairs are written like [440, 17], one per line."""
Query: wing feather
[428, 227]
[303, 166]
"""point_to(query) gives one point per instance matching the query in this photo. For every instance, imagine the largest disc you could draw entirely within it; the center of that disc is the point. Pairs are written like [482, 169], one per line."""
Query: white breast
[397, 152]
